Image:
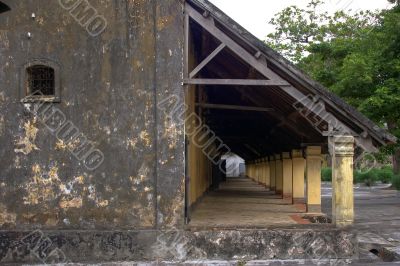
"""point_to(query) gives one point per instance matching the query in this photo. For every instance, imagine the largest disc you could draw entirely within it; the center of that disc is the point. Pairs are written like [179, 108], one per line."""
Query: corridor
[243, 203]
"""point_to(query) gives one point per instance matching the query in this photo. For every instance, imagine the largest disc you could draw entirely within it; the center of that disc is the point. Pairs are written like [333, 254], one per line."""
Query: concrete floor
[242, 203]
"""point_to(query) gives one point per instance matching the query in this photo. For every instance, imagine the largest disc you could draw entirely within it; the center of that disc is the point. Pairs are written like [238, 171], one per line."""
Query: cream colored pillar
[272, 172]
[267, 181]
[313, 173]
[299, 165]
[287, 174]
[258, 171]
[262, 169]
[342, 151]
[250, 170]
[279, 174]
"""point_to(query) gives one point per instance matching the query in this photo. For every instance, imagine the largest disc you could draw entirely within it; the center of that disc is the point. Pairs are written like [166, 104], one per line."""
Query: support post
[287, 175]
[313, 172]
[272, 172]
[278, 174]
[342, 151]
[299, 164]
[267, 174]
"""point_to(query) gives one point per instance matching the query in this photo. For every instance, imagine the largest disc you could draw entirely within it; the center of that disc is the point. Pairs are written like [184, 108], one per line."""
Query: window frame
[24, 89]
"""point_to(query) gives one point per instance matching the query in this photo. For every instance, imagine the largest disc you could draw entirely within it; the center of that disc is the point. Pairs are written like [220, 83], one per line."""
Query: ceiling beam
[207, 60]
[234, 107]
[237, 82]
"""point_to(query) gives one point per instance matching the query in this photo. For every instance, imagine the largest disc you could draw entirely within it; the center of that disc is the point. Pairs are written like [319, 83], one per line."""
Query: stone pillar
[272, 172]
[342, 151]
[278, 174]
[313, 173]
[299, 165]
[267, 174]
[262, 167]
[287, 174]
[257, 171]
[251, 170]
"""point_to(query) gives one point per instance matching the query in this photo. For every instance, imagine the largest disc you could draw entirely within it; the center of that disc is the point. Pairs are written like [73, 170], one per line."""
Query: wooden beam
[207, 60]
[208, 24]
[237, 82]
[234, 107]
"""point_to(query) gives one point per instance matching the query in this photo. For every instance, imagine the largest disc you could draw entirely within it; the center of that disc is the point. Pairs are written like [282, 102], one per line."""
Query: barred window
[41, 81]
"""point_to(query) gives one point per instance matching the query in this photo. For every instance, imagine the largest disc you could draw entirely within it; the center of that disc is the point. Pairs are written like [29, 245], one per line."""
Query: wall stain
[26, 144]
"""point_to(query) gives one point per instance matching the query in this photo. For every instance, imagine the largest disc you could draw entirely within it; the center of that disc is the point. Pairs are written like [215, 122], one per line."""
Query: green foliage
[385, 175]
[356, 56]
[396, 181]
[326, 174]
[369, 178]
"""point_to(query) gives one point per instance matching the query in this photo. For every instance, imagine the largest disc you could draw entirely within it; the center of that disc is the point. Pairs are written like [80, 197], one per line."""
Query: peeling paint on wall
[26, 144]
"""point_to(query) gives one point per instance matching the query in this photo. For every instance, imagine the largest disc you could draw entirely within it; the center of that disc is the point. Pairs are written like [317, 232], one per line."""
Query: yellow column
[257, 171]
[342, 149]
[313, 172]
[287, 174]
[272, 172]
[267, 181]
[278, 174]
[249, 171]
[262, 169]
[299, 165]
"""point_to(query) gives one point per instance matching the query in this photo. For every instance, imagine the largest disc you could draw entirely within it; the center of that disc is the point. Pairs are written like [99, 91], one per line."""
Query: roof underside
[278, 128]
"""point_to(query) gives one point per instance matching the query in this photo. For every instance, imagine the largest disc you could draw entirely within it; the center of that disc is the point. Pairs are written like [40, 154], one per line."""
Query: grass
[369, 178]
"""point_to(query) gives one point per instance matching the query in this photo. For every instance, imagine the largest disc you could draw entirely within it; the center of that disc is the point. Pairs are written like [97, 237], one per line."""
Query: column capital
[278, 157]
[297, 154]
[313, 152]
[343, 146]
[286, 155]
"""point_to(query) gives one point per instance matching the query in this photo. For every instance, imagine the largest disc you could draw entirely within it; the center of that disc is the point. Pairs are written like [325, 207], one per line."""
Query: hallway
[242, 203]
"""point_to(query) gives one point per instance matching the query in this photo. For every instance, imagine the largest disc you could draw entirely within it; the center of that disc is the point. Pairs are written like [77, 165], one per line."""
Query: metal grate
[41, 81]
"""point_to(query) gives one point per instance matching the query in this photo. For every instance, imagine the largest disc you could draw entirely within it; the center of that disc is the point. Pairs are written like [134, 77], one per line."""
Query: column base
[314, 208]
[299, 200]
[343, 223]
[288, 198]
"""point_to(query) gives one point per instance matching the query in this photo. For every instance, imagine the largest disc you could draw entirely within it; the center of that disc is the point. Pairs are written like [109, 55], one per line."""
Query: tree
[357, 56]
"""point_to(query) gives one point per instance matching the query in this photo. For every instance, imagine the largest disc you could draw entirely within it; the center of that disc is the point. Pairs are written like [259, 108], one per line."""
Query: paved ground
[377, 218]
[246, 204]
[240, 202]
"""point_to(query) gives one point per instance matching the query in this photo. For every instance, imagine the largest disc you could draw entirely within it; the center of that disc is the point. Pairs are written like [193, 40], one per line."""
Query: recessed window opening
[41, 81]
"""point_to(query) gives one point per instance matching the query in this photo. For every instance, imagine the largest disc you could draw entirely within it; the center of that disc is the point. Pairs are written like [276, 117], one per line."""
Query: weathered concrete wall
[110, 87]
[87, 246]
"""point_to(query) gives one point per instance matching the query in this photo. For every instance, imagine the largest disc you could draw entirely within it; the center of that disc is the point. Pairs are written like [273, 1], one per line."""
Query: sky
[254, 15]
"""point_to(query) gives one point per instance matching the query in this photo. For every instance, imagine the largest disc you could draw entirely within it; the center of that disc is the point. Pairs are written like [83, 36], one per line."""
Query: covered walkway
[241, 202]
[242, 97]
